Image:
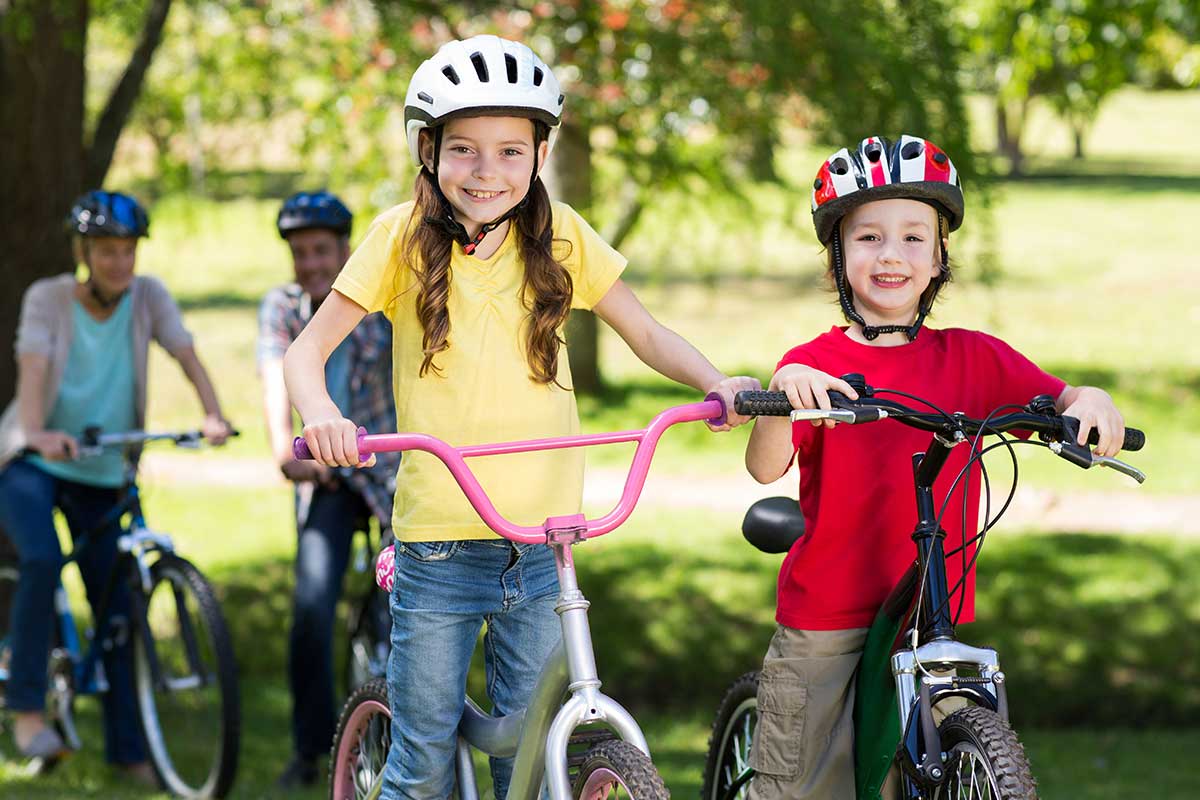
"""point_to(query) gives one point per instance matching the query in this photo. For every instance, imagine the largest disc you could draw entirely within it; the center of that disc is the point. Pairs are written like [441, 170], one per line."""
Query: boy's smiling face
[485, 166]
[890, 258]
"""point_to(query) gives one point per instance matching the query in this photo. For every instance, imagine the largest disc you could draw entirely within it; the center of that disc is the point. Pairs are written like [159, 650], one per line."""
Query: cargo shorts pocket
[778, 746]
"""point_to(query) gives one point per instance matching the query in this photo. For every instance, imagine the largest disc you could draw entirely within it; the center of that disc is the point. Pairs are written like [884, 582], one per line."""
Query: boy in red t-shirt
[884, 211]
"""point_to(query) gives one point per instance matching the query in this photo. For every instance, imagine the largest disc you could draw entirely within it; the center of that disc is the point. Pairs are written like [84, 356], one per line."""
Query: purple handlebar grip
[724, 418]
[301, 452]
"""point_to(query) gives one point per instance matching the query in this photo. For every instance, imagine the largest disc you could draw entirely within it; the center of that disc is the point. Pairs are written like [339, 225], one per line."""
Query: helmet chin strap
[446, 220]
[873, 332]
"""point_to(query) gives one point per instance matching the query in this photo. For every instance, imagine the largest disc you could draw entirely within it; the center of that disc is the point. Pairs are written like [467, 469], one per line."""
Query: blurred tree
[48, 157]
[1072, 53]
[680, 91]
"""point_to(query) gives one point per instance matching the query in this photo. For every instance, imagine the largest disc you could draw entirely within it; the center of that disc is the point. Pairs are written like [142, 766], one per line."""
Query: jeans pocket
[778, 746]
[427, 552]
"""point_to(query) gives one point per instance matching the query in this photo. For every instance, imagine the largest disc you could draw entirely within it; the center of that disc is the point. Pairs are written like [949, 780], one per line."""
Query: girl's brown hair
[546, 288]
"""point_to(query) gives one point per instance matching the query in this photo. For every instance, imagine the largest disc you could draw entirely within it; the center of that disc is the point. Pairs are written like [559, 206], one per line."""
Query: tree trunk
[1078, 129]
[1008, 136]
[116, 111]
[761, 164]
[42, 159]
[570, 180]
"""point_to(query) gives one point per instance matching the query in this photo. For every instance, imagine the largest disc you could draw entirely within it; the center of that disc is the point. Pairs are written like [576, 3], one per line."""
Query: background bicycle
[933, 705]
[185, 679]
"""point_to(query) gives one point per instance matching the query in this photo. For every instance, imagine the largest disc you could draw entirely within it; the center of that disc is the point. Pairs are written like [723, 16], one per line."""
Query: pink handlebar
[712, 410]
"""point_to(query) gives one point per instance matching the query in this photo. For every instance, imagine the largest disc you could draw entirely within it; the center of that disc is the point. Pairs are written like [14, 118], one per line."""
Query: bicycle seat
[773, 524]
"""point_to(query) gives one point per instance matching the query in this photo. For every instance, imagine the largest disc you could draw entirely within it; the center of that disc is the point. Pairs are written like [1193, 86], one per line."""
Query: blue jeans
[322, 552]
[28, 497]
[444, 593]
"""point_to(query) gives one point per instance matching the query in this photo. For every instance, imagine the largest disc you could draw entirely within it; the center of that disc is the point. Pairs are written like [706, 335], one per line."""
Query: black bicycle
[912, 663]
[369, 620]
[185, 678]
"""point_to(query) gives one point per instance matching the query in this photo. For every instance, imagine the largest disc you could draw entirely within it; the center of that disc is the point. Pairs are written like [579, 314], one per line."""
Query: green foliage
[1073, 53]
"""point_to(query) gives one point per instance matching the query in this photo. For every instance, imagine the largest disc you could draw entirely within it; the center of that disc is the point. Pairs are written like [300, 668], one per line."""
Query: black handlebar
[866, 409]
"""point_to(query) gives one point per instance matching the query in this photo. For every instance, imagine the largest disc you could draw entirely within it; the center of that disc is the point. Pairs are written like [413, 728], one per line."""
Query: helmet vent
[425, 97]
[939, 158]
[911, 150]
[537, 76]
[480, 67]
[510, 65]
[451, 75]
[560, 99]
[839, 166]
[873, 152]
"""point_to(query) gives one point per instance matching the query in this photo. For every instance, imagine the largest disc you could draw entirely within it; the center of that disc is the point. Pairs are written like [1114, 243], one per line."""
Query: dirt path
[1033, 508]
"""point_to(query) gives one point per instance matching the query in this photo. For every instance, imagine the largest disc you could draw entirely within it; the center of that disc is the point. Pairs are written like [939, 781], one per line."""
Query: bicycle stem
[929, 537]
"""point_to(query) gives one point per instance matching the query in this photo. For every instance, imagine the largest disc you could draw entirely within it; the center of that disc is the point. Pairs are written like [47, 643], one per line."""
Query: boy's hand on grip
[807, 387]
[1094, 408]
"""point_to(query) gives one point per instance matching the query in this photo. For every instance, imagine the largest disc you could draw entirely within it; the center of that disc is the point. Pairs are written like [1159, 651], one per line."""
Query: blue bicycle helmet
[305, 210]
[100, 213]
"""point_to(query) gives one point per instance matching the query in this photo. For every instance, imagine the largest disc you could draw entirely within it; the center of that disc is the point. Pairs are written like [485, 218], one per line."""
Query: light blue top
[337, 376]
[97, 389]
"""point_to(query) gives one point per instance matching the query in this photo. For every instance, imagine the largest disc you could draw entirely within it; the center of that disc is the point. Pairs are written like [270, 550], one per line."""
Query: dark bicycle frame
[134, 541]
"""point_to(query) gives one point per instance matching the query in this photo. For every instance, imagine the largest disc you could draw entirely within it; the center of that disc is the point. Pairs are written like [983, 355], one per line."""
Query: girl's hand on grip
[334, 442]
[727, 389]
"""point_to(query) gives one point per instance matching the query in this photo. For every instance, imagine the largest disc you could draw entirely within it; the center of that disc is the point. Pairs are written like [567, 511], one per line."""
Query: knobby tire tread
[635, 768]
[999, 744]
[742, 689]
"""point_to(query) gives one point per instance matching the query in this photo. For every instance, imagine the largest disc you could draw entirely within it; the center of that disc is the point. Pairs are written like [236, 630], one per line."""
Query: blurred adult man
[330, 504]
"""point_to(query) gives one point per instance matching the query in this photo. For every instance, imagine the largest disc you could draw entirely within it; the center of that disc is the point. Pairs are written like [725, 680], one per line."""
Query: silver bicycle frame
[538, 735]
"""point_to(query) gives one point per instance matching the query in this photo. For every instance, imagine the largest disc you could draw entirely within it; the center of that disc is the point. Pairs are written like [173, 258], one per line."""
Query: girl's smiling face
[890, 258]
[485, 166]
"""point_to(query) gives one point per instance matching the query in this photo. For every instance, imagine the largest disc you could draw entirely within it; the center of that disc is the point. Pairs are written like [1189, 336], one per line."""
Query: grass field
[1096, 262]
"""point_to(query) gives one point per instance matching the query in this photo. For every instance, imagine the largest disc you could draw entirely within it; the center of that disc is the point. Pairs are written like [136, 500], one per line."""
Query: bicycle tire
[360, 747]
[727, 771]
[201, 761]
[617, 769]
[980, 745]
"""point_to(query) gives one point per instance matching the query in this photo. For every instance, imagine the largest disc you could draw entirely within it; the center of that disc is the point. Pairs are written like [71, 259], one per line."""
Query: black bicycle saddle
[773, 524]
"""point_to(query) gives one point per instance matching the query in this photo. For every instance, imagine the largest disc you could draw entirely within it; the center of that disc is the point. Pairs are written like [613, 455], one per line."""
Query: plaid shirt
[283, 314]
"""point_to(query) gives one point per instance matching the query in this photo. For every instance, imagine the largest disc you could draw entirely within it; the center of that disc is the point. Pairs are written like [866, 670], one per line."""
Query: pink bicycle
[609, 756]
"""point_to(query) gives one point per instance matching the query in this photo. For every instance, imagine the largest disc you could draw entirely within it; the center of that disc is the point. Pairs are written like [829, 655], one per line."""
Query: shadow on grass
[209, 301]
[1101, 180]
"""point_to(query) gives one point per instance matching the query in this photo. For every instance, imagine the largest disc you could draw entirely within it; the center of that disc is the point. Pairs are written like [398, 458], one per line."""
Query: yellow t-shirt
[484, 393]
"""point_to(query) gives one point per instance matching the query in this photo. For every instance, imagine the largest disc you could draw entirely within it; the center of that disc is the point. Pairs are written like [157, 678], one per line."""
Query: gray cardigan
[45, 328]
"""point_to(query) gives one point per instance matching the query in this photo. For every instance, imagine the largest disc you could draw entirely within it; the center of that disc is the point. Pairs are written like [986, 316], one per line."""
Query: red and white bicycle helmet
[481, 76]
[912, 168]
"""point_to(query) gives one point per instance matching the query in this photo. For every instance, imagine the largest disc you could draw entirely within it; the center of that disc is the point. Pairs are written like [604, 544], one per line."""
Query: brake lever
[850, 416]
[1083, 457]
[1119, 466]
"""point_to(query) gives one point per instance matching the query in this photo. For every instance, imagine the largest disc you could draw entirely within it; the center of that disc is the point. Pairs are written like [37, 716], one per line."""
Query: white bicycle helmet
[481, 76]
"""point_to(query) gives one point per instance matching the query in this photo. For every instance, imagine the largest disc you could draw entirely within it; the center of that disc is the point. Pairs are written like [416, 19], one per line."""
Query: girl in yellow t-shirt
[477, 274]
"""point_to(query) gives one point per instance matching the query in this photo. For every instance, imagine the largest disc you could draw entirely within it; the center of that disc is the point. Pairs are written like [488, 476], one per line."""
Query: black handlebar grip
[762, 404]
[1134, 438]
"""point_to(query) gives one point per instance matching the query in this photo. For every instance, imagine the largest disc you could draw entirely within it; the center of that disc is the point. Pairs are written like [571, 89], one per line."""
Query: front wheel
[360, 748]
[186, 683]
[984, 759]
[727, 770]
[616, 769]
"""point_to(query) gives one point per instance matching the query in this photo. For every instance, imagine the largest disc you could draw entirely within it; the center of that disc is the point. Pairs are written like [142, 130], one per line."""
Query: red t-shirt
[856, 481]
